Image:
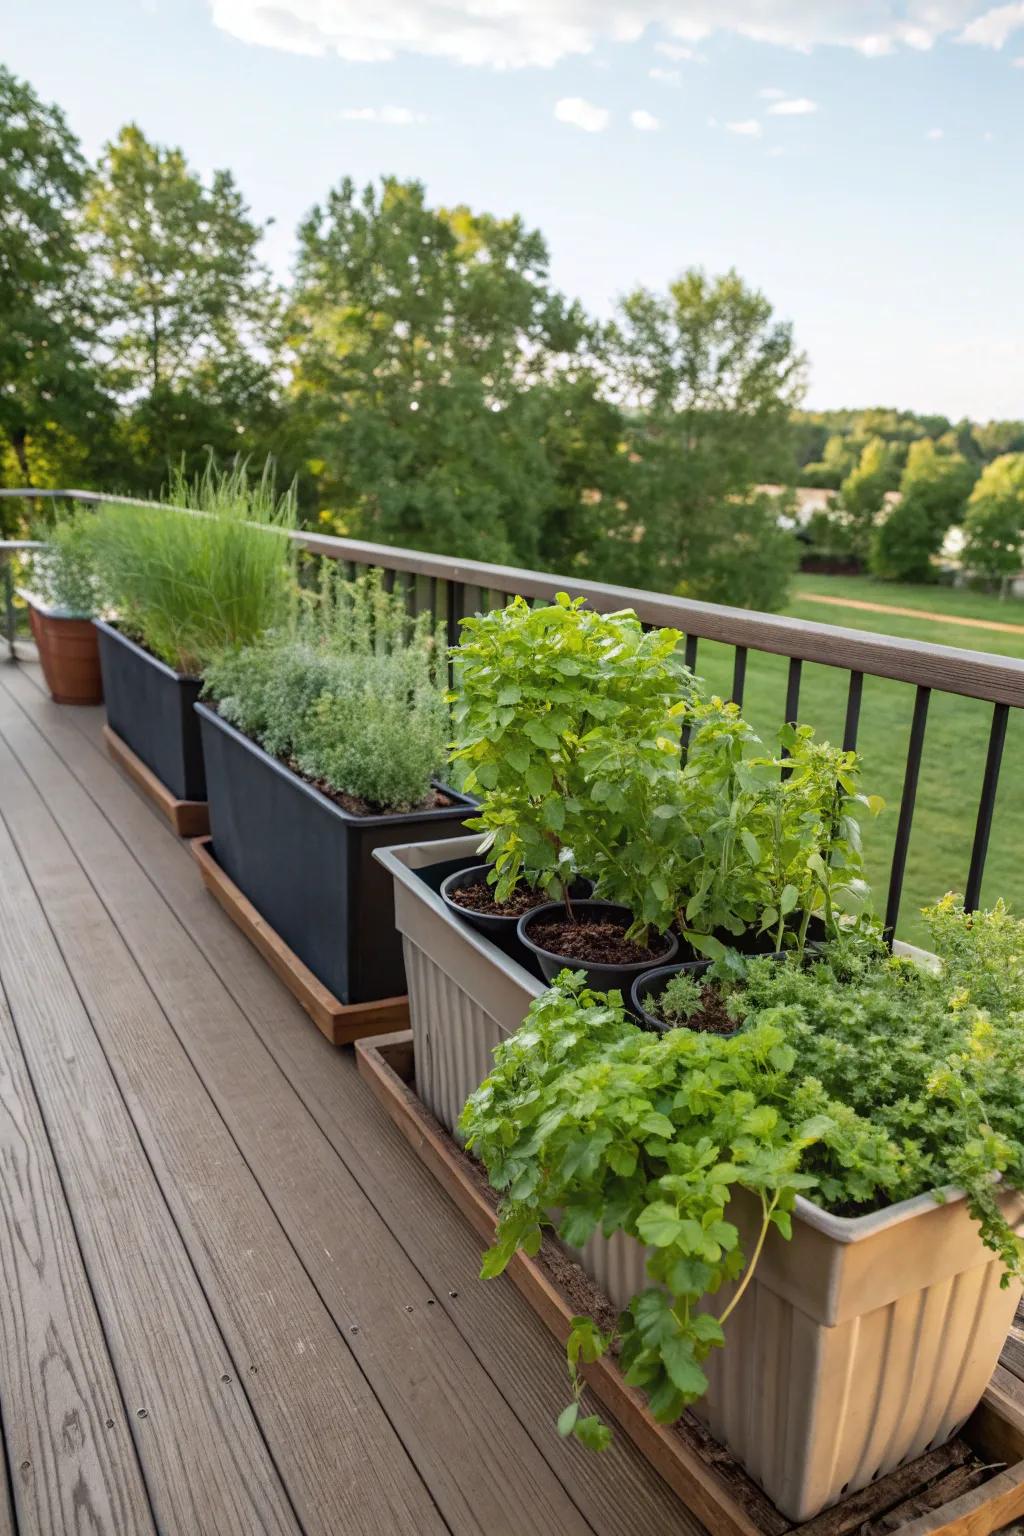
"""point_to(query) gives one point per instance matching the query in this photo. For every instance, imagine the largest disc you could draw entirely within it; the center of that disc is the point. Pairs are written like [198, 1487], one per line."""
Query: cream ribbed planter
[859, 1344]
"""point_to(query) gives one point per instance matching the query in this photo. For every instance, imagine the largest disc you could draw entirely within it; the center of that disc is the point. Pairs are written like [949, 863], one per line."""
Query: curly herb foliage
[651, 1135]
[353, 697]
[63, 574]
[192, 582]
[566, 722]
[932, 1059]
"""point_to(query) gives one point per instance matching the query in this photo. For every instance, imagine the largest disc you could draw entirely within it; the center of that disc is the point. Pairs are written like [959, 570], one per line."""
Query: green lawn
[955, 744]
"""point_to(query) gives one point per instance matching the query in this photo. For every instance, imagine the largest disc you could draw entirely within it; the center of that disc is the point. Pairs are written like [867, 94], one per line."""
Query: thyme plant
[352, 694]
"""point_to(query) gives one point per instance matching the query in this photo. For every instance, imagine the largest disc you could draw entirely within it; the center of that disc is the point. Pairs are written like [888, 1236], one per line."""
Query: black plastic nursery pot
[649, 987]
[499, 927]
[306, 864]
[601, 977]
[151, 708]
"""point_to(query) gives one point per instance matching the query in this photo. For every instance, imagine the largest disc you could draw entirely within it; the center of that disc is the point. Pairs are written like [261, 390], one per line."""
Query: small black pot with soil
[469, 894]
[648, 990]
[591, 938]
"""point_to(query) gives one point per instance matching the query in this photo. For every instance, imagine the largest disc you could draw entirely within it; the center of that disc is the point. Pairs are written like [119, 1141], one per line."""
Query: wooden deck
[232, 1301]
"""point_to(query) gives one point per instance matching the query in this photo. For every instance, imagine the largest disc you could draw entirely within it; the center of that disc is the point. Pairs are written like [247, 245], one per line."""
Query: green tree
[431, 360]
[862, 494]
[710, 378]
[191, 315]
[994, 525]
[934, 488]
[50, 399]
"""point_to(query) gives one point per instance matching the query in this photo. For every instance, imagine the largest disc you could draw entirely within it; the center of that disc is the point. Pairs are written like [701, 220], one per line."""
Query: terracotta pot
[69, 655]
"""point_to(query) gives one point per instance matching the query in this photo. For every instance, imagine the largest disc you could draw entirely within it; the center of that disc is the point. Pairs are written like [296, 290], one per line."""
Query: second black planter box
[306, 864]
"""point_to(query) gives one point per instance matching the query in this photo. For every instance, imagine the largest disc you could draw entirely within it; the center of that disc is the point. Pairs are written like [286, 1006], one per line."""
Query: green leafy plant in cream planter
[859, 1080]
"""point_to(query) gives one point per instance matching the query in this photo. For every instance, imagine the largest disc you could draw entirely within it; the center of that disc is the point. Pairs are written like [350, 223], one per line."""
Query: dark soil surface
[595, 943]
[479, 897]
[711, 1018]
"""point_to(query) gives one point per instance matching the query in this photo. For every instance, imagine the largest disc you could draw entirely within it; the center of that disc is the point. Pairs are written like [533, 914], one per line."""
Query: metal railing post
[9, 618]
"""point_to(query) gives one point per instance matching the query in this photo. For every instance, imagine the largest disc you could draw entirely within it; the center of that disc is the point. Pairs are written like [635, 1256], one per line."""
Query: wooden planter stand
[189, 818]
[971, 1486]
[342, 1023]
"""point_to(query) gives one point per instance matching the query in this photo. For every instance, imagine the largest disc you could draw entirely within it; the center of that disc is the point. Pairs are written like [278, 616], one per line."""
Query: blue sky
[860, 162]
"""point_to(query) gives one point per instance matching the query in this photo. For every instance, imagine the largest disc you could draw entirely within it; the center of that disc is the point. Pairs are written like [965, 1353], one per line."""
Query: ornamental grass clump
[351, 695]
[211, 569]
[858, 1079]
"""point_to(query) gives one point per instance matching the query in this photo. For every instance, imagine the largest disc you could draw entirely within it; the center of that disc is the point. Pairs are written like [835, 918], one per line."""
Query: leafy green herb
[566, 721]
[859, 1079]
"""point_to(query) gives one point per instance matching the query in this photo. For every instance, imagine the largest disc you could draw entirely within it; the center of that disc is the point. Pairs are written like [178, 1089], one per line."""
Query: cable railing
[452, 588]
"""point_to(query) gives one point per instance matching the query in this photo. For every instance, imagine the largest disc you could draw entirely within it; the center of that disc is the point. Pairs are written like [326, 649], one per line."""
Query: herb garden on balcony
[760, 1171]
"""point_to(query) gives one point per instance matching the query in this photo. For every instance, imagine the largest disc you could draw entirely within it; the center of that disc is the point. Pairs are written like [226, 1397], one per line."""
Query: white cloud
[519, 33]
[394, 117]
[645, 121]
[794, 106]
[771, 93]
[750, 126]
[935, 133]
[993, 27]
[677, 51]
[666, 76]
[582, 114]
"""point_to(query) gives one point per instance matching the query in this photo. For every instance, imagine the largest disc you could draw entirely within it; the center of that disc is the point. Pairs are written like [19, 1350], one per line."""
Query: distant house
[809, 499]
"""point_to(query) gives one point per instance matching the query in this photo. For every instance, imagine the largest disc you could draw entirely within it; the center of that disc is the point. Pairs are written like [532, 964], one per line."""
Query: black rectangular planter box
[150, 706]
[307, 865]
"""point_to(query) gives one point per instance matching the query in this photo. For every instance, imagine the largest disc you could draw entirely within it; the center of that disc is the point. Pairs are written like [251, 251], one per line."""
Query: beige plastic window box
[860, 1344]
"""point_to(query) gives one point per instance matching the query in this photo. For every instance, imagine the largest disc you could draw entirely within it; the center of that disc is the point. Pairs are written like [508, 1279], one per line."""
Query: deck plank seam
[239, 1372]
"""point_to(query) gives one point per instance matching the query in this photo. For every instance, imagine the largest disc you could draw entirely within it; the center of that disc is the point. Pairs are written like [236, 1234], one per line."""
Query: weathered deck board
[482, 1468]
[324, 1426]
[206, 1465]
[69, 1445]
[617, 1492]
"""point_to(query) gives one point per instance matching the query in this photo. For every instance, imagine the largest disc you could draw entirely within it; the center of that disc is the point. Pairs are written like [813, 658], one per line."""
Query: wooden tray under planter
[342, 1023]
[189, 818]
[971, 1486]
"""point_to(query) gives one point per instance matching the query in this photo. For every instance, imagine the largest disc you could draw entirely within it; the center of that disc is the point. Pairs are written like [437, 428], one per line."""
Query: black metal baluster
[739, 675]
[455, 596]
[853, 699]
[903, 826]
[690, 657]
[432, 597]
[350, 570]
[389, 579]
[796, 667]
[986, 806]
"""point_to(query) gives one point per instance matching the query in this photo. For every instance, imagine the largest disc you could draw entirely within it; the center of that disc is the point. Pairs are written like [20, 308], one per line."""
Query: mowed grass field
[955, 743]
